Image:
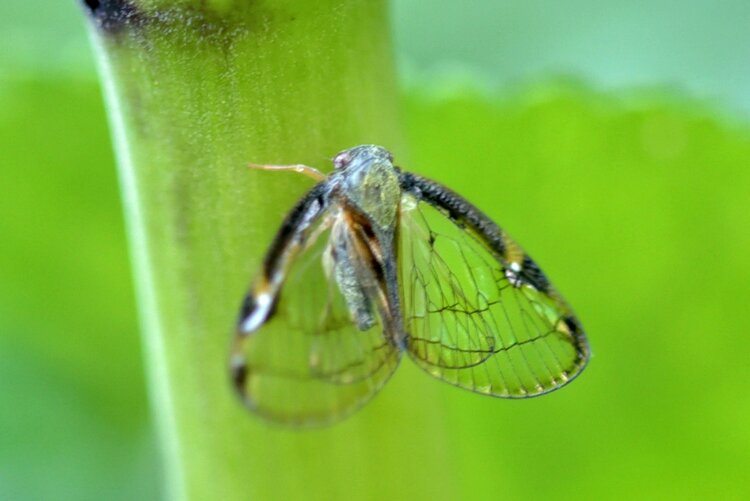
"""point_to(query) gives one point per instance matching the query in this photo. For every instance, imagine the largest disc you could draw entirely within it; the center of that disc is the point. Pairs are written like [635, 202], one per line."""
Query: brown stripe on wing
[259, 304]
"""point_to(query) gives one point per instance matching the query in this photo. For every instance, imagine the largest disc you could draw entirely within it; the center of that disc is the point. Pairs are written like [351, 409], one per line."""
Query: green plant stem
[196, 90]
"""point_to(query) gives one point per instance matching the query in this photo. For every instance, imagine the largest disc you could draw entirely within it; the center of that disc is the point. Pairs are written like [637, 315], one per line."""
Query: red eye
[341, 160]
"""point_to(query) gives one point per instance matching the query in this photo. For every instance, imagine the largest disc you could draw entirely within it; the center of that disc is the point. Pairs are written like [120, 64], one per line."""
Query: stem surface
[196, 90]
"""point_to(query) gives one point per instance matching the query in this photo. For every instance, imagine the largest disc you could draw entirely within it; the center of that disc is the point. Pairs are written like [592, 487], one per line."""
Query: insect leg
[302, 169]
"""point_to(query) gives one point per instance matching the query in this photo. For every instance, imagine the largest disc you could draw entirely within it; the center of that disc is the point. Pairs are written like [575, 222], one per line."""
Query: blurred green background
[610, 139]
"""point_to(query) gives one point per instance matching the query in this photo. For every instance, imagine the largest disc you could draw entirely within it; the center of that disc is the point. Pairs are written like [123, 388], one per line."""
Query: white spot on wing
[512, 275]
[259, 313]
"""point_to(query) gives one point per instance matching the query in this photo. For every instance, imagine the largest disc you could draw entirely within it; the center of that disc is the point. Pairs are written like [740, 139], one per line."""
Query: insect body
[375, 262]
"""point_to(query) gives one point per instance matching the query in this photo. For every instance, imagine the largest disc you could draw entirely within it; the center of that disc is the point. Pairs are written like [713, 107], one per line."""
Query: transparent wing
[478, 312]
[307, 362]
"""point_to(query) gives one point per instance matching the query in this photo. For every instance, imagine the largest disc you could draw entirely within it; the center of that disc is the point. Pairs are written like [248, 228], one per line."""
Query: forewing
[306, 362]
[478, 312]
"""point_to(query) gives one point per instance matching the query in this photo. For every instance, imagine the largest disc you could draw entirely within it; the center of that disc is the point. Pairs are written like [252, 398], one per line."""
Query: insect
[374, 262]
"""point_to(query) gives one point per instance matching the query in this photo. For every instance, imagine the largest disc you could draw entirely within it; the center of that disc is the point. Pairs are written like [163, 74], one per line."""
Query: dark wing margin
[298, 358]
[478, 312]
